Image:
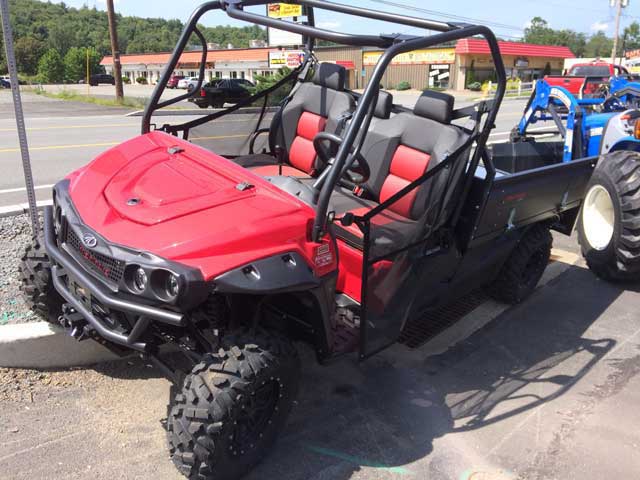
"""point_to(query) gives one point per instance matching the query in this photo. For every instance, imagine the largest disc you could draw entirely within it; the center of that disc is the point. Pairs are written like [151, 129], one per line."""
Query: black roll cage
[392, 45]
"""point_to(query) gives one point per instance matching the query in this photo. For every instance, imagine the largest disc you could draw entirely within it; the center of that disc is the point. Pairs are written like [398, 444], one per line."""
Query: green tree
[28, 51]
[540, 33]
[51, 67]
[75, 63]
[631, 36]
[599, 45]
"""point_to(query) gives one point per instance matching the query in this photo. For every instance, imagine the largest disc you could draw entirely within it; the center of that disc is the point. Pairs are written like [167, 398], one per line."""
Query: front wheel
[609, 221]
[233, 406]
[36, 283]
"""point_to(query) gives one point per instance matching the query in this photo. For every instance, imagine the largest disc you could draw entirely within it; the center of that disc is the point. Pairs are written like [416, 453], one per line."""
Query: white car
[193, 83]
[184, 83]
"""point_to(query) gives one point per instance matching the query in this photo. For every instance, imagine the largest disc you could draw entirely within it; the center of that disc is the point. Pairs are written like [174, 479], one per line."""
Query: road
[66, 135]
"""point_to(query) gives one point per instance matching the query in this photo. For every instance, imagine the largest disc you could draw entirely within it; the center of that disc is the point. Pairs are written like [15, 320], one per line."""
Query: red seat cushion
[407, 165]
[302, 155]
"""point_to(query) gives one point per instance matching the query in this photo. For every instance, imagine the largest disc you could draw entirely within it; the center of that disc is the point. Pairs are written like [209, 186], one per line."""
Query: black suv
[220, 91]
[99, 78]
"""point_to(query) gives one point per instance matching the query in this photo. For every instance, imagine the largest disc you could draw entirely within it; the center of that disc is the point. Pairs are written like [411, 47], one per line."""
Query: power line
[448, 15]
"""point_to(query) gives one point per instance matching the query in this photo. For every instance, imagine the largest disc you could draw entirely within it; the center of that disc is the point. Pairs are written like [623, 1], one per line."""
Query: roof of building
[475, 45]
[223, 55]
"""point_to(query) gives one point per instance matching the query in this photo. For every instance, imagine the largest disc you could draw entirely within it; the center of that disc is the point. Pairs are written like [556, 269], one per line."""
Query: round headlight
[140, 279]
[172, 286]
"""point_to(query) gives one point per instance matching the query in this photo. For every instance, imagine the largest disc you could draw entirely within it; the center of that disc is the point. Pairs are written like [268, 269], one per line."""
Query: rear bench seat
[319, 105]
[399, 150]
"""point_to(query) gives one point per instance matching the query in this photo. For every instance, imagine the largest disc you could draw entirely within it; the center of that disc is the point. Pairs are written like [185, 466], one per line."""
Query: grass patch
[69, 95]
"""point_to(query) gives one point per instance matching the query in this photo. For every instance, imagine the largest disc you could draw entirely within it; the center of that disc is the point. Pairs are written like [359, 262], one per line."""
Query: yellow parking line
[108, 144]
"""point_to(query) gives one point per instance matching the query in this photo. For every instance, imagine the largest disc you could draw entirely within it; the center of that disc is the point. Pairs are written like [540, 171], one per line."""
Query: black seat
[399, 150]
[316, 106]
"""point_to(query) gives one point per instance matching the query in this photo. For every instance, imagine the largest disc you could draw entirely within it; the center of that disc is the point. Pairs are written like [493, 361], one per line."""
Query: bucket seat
[321, 104]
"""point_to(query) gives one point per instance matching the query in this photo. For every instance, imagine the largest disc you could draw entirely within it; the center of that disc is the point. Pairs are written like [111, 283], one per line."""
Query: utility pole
[113, 32]
[619, 4]
[17, 106]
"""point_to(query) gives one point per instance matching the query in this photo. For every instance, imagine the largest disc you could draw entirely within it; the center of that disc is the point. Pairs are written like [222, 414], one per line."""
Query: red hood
[185, 205]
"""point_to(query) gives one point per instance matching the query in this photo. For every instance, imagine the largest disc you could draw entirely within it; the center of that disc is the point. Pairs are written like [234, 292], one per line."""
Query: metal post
[17, 105]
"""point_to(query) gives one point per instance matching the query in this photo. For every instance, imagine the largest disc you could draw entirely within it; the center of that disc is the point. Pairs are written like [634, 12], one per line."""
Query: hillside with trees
[42, 27]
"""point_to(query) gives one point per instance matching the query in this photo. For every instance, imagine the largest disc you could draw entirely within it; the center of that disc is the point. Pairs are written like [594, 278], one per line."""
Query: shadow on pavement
[386, 412]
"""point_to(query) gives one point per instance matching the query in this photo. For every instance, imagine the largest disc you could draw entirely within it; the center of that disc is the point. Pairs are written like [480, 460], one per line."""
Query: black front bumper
[66, 270]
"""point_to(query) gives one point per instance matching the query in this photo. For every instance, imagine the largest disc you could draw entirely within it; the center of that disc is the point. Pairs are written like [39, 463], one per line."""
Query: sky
[508, 18]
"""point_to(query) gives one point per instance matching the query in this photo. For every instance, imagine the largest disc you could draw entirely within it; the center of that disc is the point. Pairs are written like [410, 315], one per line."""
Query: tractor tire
[232, 406]
[521, 272]
[609, 221]
[36, 283]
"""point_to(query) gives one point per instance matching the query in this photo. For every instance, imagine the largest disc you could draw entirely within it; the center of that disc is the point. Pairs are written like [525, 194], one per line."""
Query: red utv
[332, 219]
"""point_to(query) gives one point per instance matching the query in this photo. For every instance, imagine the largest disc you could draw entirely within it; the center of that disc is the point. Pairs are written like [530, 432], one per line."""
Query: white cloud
[600, 27]
[329, 25]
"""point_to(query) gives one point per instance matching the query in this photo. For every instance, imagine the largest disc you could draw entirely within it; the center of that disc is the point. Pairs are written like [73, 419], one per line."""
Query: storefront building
[223, 63]
[448, 67]
[525, 61]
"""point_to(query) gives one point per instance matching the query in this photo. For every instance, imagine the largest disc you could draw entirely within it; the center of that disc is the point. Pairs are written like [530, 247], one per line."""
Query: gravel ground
[15, 235]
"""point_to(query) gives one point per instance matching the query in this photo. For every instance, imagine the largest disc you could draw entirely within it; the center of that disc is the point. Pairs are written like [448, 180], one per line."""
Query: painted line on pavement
[23, 189]
[67, 127]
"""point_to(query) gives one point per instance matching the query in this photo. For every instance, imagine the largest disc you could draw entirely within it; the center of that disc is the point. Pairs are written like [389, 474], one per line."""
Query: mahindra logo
[89, 240]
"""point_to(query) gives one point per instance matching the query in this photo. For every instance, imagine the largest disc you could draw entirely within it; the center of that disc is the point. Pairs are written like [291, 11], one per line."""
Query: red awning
[348, 64]
[518, 49]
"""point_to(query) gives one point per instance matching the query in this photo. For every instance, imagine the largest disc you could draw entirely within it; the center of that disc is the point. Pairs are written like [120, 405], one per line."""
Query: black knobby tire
[619, 174]
[232, 406]
[521, 272]
[36, 283]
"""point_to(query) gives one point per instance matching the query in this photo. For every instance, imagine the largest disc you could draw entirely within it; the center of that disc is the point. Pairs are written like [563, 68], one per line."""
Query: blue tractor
[605, 130]
[588, 126]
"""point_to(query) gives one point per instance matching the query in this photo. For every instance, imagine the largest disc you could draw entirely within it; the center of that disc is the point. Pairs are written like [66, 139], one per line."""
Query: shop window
[242, 74]
[218, 74]
[234, 74]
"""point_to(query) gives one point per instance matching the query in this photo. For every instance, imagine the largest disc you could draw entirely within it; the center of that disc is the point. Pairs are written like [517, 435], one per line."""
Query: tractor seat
[319, 105]
[399, 150]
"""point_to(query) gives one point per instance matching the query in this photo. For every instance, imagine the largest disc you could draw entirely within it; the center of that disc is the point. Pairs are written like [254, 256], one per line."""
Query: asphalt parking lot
[545, 390]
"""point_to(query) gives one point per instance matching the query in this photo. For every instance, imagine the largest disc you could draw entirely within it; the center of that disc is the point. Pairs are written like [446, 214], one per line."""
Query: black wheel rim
[255, 416]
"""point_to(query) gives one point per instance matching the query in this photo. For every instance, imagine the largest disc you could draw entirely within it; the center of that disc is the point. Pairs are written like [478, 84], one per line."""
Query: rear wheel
[233, 406]
[36, 283]
[521, 273]
[609, 221]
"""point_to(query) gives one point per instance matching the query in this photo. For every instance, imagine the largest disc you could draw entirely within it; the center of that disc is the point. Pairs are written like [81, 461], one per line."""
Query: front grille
[101, 264]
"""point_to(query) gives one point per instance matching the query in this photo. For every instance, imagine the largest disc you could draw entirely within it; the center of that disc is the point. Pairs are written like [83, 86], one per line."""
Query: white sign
[282, 38]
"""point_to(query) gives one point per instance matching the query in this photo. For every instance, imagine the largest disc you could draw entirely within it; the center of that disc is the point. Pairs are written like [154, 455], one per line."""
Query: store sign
[632, 54]
[284, 10]
[417, 57]
[439, 75]
[288, 58]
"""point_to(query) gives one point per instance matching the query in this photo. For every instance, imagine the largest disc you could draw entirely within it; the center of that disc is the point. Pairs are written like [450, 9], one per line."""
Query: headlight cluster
[162, 284]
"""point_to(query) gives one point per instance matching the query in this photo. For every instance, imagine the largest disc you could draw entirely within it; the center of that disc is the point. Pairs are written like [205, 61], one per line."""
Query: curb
[22, 208]
[42, 345]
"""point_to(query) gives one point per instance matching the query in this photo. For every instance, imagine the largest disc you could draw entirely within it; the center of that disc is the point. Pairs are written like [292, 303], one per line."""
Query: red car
[586, 79]
[173, 81]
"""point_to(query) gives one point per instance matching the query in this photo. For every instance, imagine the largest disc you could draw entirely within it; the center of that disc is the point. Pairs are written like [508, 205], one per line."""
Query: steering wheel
[356, 170]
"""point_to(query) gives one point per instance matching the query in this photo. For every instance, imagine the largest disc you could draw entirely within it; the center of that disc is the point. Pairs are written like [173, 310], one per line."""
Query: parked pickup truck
[220, 91]
[586, 80]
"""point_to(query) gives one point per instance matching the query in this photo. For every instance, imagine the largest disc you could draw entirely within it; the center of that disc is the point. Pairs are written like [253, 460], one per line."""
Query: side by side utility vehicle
[333, 220]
